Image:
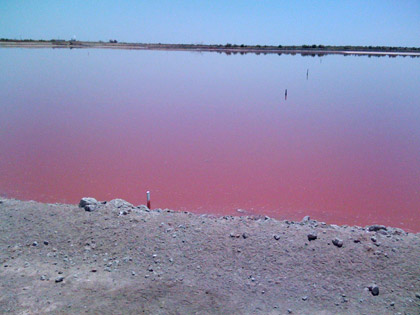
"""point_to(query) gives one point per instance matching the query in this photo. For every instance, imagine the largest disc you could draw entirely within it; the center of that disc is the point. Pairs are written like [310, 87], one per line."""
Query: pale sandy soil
[120, 259]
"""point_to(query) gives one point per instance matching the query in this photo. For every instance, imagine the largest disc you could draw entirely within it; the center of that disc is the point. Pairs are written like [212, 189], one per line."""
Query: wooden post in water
[148, 199]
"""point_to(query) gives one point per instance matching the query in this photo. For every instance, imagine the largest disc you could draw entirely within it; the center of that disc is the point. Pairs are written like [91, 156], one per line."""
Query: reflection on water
[209, 132]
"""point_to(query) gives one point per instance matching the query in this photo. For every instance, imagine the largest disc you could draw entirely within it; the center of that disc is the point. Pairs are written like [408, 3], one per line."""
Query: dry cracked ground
[114, 258]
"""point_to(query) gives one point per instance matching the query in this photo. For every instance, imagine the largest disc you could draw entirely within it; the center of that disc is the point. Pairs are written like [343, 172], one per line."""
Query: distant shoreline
[305, 50]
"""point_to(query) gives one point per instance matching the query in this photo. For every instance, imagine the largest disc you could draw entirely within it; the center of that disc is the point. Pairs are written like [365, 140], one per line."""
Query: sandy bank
[118, 258]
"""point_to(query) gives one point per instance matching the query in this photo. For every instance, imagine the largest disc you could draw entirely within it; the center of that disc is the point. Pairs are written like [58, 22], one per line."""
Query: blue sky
[357, 22]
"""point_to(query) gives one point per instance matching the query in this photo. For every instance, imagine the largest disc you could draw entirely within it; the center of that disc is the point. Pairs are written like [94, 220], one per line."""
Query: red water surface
[209, 141]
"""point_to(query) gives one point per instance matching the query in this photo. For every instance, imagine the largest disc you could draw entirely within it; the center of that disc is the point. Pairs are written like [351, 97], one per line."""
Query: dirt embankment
[120, 259]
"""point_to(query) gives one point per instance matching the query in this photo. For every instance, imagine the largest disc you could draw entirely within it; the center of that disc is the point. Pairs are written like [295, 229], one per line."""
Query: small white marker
[148, 199]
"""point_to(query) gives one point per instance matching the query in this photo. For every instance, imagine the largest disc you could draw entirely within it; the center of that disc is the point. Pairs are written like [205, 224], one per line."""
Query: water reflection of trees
[311, 54]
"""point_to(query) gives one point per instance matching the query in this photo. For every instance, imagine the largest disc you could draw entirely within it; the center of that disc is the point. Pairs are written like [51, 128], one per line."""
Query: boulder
[87, 201]
[337, 242]
[312, 236]
[374, 289]
[120, 203]
[306, 219]
[376, 227]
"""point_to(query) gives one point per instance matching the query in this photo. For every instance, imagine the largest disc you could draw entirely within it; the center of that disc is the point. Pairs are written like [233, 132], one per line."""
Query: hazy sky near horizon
[357, 22]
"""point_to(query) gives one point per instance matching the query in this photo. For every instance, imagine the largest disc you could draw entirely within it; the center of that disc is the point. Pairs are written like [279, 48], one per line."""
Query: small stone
[376, 227]
[392, 303]
[373, 239]
[133, 273]
[337, 242]
[87, 201]
[90, 208]
[234, 235]
[304, 298]
[94, 270]
[46, 242]
[35, 243]
[289, 311]
[418, 295]
[312, 236]
[59, 279]
[374, 289]
[107, 269]
[356, 241]
[276, 237]
[120, 203]
[245, 235]
[43, 277]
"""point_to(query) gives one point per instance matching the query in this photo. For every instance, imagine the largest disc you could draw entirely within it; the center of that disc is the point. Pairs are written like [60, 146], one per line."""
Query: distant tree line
[311, 50]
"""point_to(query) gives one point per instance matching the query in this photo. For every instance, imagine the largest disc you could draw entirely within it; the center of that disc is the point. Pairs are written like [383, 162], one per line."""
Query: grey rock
[376, 227]
[46, 242]
[35, 243]
[234, 235]
[87, 201]
[374, 289]
[59, 279]
[312, 236]
[373, 239]
[43, 277]
[90, 208]
[245, 235]
[276, 237]
[120, 203]
[337, 242]
[304, 298]
[418, 295]
[306, 219]
[289, 311]
[397, 231]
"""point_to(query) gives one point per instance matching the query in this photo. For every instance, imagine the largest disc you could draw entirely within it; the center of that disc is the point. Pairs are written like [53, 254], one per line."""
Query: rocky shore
[116, 258]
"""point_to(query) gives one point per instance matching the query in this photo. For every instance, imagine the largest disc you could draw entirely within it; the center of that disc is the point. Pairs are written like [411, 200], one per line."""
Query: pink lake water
[211, 133]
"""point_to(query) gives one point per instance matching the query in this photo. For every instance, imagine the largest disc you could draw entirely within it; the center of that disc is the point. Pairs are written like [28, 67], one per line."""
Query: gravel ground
[120, 259]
